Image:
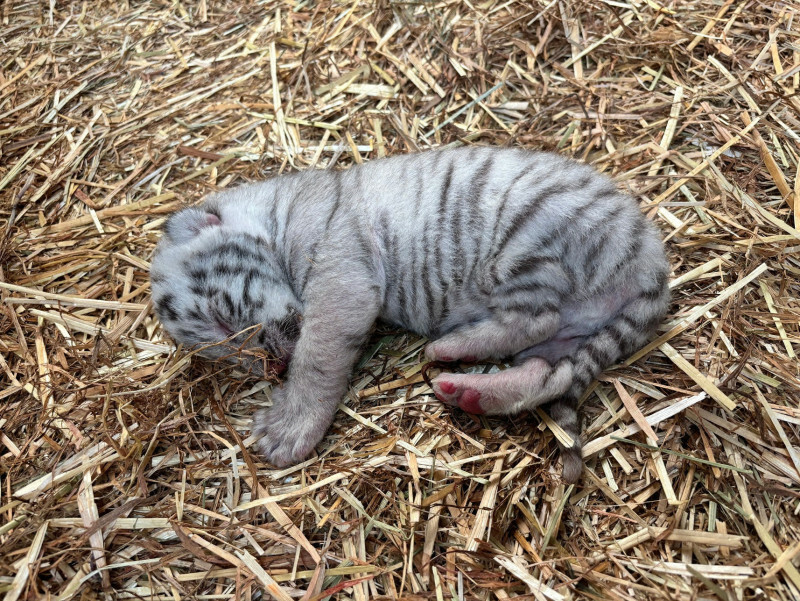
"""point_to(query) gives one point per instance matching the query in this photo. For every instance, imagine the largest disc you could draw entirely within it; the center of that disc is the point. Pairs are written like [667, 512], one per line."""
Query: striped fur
[492, 253]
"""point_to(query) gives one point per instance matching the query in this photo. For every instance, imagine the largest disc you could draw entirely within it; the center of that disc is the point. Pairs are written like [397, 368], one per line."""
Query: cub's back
[452, 226]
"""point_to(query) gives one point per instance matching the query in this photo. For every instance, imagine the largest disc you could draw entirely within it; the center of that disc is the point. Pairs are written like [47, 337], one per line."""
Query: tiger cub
[492, 253]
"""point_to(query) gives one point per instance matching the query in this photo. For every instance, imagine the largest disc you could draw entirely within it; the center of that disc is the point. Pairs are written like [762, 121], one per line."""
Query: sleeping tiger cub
[492, 253]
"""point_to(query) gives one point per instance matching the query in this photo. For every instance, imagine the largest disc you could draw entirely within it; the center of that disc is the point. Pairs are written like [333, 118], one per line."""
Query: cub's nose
[278, 367]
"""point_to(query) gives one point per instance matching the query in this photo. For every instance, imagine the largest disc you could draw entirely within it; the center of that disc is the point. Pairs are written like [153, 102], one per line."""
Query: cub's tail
[623, 334]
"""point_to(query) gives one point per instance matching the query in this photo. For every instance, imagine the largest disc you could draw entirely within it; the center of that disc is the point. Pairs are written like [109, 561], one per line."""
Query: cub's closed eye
[223, 327]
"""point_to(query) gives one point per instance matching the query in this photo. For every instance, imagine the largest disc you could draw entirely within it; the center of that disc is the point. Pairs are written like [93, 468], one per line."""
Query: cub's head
[223, 290]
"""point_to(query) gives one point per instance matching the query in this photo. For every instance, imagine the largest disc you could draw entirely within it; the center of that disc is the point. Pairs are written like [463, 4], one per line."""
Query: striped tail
[625, 333]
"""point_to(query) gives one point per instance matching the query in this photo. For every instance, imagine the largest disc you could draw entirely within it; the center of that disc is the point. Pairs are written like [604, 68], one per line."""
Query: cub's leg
[506, 333]
[536, 381]
[530, 384]
[334, 329]
[509, 391]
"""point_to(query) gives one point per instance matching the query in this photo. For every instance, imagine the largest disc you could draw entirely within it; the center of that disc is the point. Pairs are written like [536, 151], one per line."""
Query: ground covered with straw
[127, 469]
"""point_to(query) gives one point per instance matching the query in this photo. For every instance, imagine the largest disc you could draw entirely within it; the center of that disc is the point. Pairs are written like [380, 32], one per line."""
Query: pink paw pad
[447, 387]
[470, 402]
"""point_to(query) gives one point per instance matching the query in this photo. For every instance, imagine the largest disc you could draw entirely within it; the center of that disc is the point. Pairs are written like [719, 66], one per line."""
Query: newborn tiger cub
[492, 253]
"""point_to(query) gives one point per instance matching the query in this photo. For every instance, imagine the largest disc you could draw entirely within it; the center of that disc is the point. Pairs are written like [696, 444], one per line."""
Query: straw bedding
[126, 467]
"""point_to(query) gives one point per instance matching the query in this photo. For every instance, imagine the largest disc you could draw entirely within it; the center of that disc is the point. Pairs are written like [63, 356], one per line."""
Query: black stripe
[187, 334]
[609, 190]
[628, 257]
[529, 212]
[531, 263]
[418, 197]
[583, 377]
[363, 243]
[552, 371]
[225, 269]
[234, 249]
[390, 250]
[635, 240]
[565, 227]
[663, 280]
[479, 181]
[366, 256]
[226, 298]
[273, 216]
[455, 229]
[426, 279]
[531, 310]
[289, 216]
[597, 355]
[594, 252]
[306, 279]
[437, 255]
[318, 369]
[549, 239]
[572, 277]
[199, 275]
[337, 191]
[444, 223]
[166, 304]
[528, 287]
[502, 208]
[585, 179]
[457, 252]
[248, 280]
[578, 214]
[307, 273]
[653, 294]
[412, 275]
[367, 263]
[194, 313]
[402, 302]
[615, 334]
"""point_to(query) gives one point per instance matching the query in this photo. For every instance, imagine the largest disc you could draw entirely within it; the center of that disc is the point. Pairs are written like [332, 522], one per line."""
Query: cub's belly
[435, 315]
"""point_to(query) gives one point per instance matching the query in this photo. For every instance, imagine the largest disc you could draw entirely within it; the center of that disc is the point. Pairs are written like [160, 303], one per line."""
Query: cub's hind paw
[283, 439]
[466, 399]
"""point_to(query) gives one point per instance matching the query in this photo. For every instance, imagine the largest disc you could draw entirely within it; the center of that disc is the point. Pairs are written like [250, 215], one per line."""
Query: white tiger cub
[490, 252]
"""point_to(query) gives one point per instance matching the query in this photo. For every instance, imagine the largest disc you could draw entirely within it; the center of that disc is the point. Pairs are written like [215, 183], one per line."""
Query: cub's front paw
[440, 350]
[284, 438]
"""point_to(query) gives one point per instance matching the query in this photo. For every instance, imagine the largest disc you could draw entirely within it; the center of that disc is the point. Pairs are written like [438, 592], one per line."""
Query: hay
[126, 469]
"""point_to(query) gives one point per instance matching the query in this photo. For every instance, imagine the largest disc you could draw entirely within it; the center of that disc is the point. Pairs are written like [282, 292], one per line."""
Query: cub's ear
[186, 224]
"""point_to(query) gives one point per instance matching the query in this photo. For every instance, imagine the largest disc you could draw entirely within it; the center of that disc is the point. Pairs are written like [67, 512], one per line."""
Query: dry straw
[126, 468]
